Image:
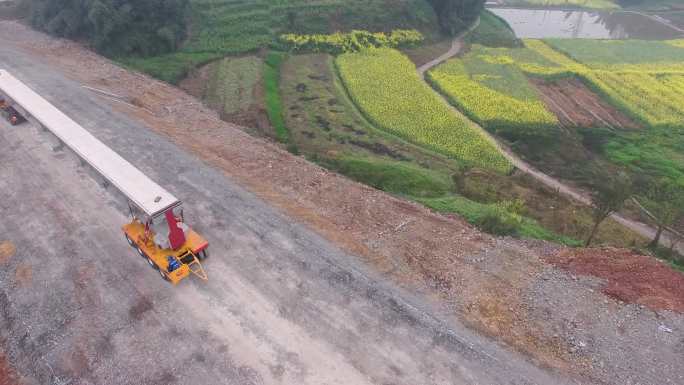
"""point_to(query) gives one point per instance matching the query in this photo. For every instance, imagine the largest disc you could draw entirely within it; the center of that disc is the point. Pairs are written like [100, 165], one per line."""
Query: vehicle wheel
[151, 263]
[142, 254]
[129, 240]
[204, 254]
[164, 277]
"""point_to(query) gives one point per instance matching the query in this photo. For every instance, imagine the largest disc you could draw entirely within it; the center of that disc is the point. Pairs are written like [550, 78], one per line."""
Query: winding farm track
[549, 181]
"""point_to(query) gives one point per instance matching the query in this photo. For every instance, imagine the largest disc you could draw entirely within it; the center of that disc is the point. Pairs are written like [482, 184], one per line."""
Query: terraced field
[644, 80]
[495, 94]
[230, 27]
[385, 86]
[624, 55]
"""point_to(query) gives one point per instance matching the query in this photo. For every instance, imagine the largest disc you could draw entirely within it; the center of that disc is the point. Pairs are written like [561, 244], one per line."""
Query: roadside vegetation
[231, 86]
[274, 106]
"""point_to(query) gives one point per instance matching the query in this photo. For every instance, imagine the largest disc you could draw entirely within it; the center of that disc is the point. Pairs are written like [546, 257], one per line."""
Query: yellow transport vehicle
[161, 236]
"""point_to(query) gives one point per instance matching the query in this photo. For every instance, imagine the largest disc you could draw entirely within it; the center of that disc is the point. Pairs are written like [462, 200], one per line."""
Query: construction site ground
[314, 279]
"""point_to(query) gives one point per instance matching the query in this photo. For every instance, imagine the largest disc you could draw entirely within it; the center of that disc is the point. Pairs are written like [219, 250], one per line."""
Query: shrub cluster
[503, 218]
[353, 41]
[115, 27]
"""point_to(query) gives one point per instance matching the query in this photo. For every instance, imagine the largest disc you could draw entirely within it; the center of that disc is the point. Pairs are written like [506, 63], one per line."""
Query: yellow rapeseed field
[386, 87]
[494, 94]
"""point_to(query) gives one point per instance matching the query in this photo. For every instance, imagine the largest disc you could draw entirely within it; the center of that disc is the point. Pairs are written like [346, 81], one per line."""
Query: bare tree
[608, 197]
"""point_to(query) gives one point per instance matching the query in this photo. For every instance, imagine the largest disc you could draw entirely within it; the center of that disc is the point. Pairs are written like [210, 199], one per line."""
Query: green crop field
[623, 55]
[229, 27]
[495, 94]
[326, 127]
[232, 83]
[493, 31]
[386, 87]
[645, 80]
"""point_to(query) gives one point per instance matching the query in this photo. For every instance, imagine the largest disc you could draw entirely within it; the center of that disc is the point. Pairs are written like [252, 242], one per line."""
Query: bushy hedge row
[353, 41]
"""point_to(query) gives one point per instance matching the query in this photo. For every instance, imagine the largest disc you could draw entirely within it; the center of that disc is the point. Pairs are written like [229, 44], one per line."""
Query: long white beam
[141, 190]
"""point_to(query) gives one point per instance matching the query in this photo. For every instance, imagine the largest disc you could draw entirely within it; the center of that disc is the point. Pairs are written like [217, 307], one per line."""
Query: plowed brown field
[576, 105]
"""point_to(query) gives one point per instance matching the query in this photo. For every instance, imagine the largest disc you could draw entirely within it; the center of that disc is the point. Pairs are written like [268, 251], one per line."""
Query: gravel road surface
[282, 305]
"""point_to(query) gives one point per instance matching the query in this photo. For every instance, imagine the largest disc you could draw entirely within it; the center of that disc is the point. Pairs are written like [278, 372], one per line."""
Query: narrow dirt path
[456, 47]
[582, 197]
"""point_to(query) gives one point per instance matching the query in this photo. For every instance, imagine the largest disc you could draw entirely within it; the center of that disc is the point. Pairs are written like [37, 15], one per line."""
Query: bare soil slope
[629, 277]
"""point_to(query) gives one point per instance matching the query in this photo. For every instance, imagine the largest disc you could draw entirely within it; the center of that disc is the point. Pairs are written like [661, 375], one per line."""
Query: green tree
[608, 196]
[664, 199]
[454, 16]
[115, 27]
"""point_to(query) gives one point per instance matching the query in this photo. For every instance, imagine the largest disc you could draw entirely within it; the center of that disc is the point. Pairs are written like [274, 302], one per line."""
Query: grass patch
[480, 215]
[170, 68]
[401, 178]
[435, 190]
[493, 31]
[230, 88]
[274, 105]
[621, 55]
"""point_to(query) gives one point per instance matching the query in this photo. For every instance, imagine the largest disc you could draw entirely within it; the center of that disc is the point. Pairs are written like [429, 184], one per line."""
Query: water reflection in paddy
[538, 24]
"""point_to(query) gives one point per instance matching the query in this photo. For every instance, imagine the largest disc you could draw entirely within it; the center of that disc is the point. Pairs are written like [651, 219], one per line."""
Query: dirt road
[549, 181]
[282, 306]
[456, 47]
